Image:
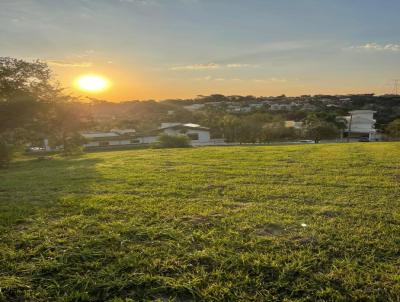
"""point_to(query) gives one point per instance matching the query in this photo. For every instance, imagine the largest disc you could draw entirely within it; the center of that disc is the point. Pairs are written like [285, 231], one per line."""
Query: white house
[124, 131]
[360, 124]
[112, 138]
[198, 135]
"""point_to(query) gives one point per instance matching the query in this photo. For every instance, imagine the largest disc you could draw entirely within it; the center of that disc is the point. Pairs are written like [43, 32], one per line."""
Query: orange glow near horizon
[114, 83]
[92, 83]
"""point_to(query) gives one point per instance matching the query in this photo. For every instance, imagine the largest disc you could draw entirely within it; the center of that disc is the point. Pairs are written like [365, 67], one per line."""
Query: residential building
[105, 139]
[197, 134]
[360, 124]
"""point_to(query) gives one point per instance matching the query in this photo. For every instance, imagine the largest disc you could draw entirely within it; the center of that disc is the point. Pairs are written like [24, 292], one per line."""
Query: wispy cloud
[211, 66]
[206, 78]
[271, 80]
[377, 47]
[240, 65]
[69, 64]
[197, 67]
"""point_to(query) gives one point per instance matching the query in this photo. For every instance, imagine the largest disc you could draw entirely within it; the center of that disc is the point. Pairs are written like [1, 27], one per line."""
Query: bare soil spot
[270, 229]
[303, 240]
[329, 214]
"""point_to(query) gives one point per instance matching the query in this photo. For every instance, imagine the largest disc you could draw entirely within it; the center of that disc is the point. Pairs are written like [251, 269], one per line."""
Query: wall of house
[110, 143]
[148, 139]
[91, 144]
[121, 142]
[362, 121]
[360, 124]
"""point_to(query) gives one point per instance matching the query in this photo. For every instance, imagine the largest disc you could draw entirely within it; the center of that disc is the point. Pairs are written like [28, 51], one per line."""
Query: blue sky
[182, 48]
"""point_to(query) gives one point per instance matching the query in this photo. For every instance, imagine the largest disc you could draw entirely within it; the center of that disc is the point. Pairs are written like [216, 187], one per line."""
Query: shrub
[73, 144]
[173, 141]
[322, 130]
[393, 129]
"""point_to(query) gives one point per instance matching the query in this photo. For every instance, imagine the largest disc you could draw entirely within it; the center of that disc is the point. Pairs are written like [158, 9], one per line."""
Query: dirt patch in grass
[23, 224]
[303, 240]
[270, 229]
[329, 214]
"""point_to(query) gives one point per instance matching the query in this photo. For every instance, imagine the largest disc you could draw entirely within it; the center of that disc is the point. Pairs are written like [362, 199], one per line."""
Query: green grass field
[282, 223]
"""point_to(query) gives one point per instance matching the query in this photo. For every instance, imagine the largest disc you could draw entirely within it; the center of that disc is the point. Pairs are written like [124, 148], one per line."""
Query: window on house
[193, 136]
[135, 141]
[103, 144]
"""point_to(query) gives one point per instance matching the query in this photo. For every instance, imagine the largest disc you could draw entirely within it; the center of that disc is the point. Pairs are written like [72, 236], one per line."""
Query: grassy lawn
[282, 223]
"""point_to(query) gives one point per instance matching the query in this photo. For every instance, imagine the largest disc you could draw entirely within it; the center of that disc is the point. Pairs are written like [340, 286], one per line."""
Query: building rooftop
[98, 134]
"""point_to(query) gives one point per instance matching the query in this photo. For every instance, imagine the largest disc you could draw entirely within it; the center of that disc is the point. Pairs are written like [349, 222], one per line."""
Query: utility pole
[349, 132]
[396, 83]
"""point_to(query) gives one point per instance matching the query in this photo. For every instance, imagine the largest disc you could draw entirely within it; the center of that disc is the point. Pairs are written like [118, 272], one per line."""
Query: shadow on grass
[32, 185]
[36, 200]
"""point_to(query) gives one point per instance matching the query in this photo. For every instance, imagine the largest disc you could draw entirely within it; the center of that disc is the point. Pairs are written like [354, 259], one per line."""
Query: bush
[173, 141]
[6, 152]
[393, 129]
[322, 130]
[73, 145]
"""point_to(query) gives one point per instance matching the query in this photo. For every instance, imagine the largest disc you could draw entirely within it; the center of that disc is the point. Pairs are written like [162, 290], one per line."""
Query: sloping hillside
[299, 223]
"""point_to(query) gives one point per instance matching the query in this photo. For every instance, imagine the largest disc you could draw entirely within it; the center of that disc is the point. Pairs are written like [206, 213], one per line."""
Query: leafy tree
[231, 128]
[211, 117]
[32, 105]
[393, 129]
[24, 88]
[251, 129]
[321, 126]
[63, 121]
[21, 80]
[277, 131]
[321, 130]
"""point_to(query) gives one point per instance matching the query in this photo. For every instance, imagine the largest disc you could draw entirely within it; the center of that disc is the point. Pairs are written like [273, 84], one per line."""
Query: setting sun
[92, 83]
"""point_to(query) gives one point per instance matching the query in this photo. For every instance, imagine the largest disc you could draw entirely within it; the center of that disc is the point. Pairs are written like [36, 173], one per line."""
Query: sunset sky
[158, 49]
